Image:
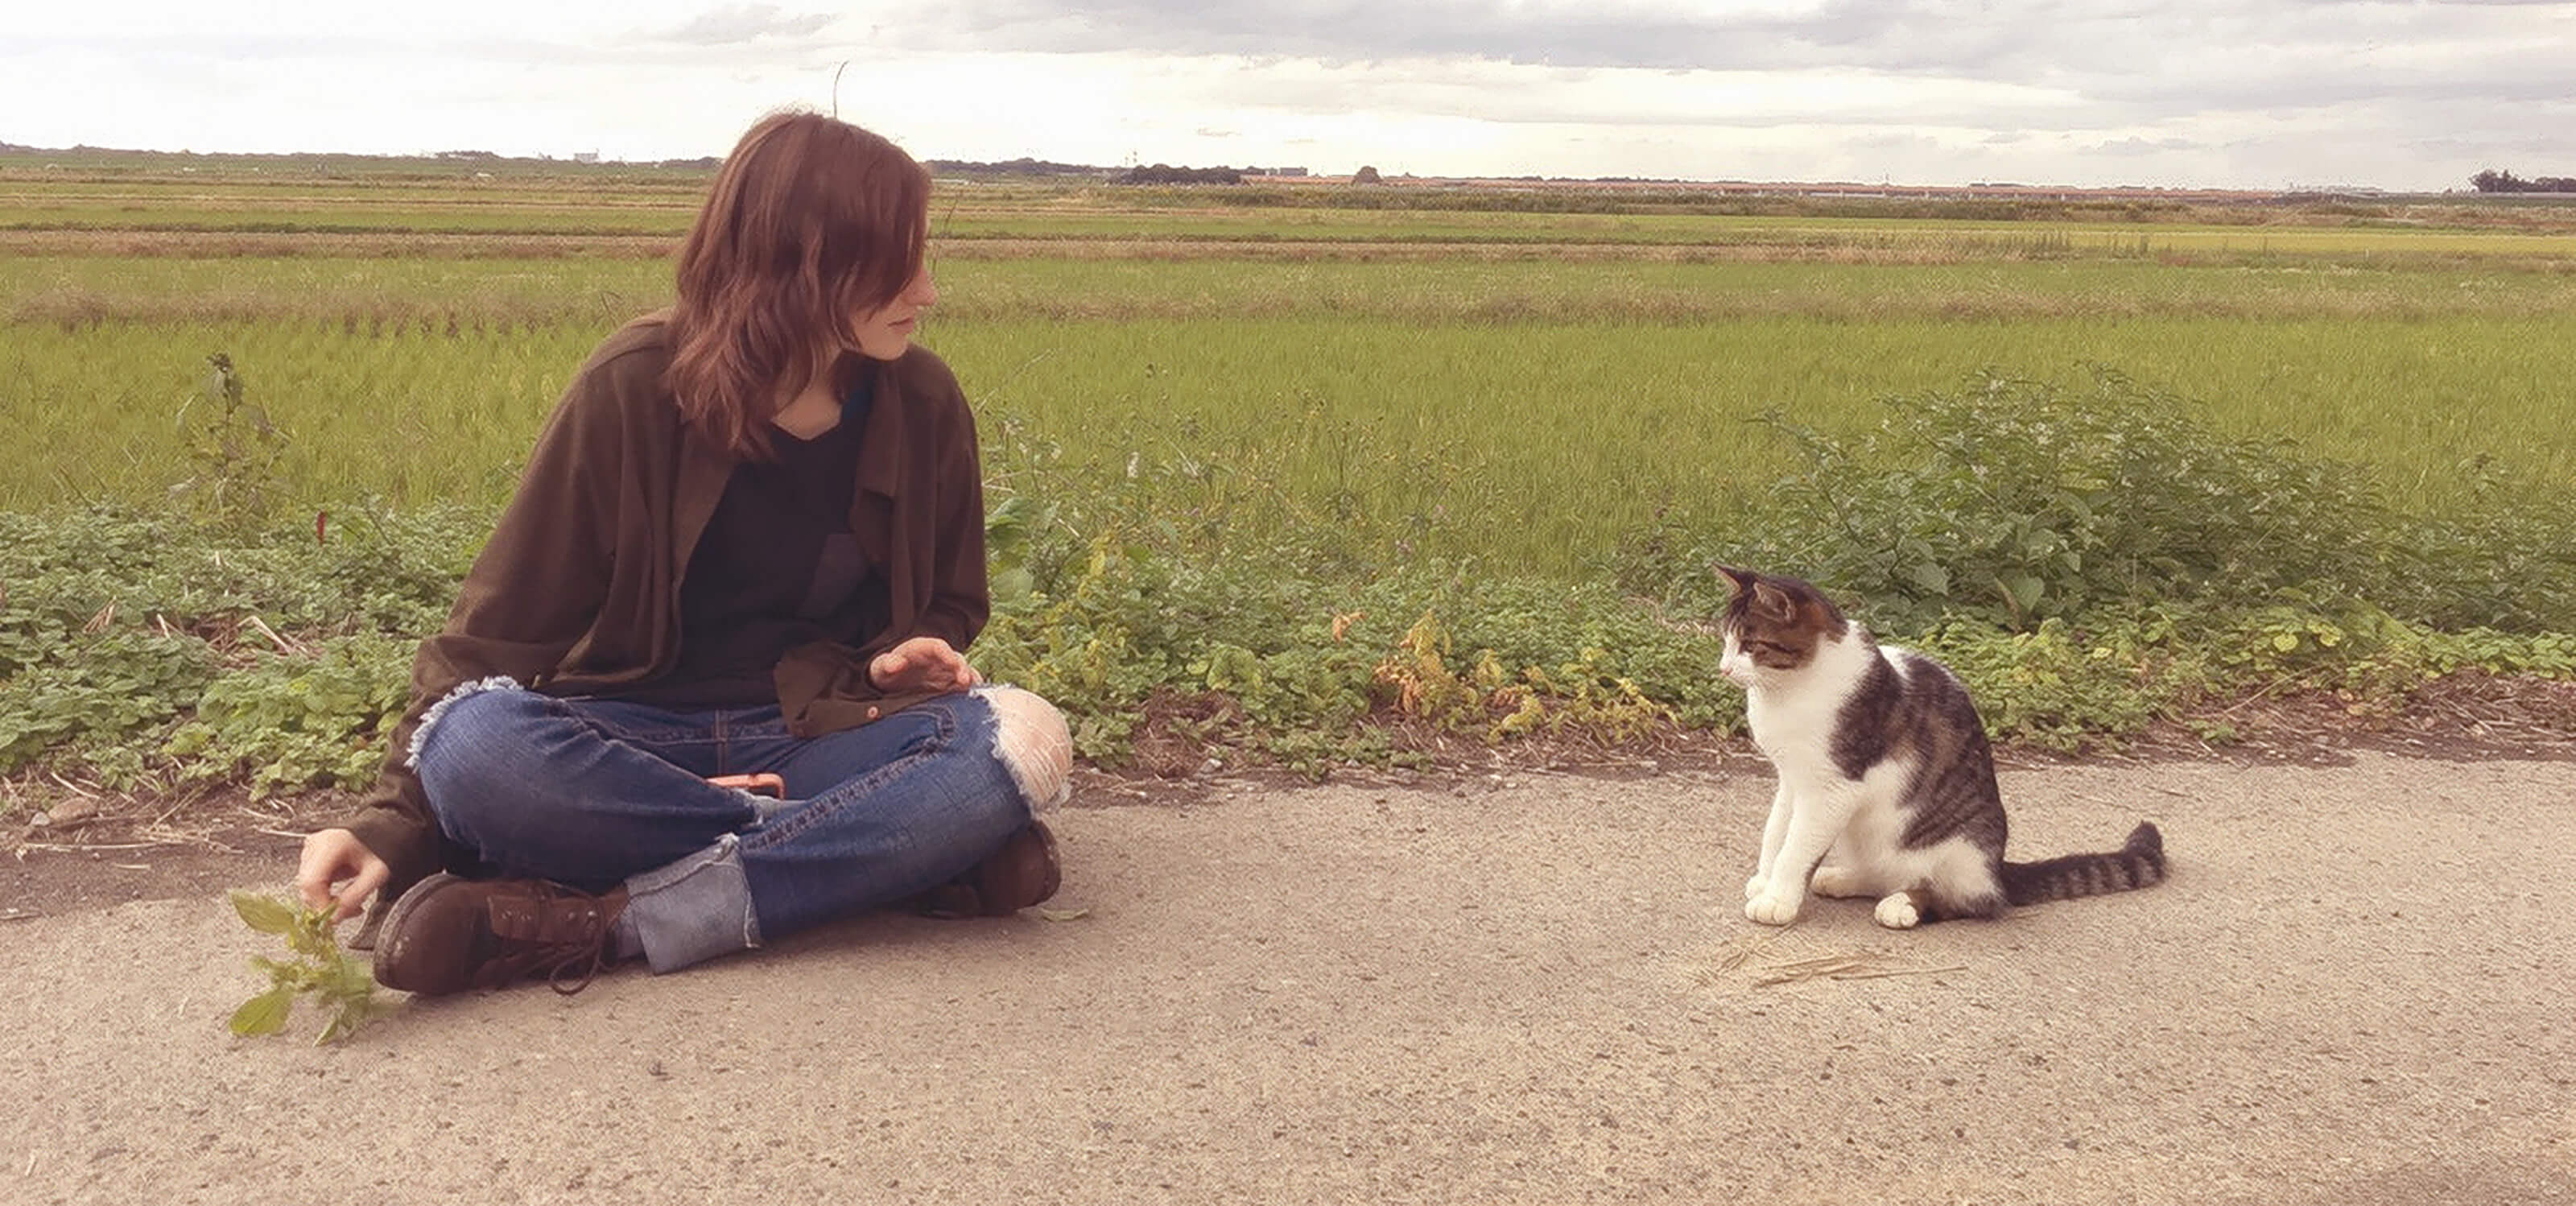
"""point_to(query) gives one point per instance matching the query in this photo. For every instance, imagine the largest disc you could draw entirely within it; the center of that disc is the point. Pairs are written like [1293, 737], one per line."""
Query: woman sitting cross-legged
[747, 549]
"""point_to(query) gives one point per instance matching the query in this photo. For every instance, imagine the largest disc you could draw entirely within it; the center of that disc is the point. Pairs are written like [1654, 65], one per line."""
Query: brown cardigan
[578, 591]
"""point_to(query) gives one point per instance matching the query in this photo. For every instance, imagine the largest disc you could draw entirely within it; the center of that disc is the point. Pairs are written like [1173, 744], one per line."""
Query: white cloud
[747, 23]
[2180, 92]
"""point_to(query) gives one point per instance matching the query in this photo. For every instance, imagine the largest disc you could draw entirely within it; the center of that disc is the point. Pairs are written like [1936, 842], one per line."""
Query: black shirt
[777, 567]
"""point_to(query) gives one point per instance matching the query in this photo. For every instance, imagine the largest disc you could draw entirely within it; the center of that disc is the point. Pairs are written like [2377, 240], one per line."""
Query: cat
[1883, 764]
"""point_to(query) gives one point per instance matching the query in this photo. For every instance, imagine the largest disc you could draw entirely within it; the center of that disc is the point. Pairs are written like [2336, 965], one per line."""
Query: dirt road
[2356, 988]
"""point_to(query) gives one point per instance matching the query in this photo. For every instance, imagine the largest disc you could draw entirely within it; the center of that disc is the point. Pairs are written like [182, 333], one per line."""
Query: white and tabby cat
[1884, 766]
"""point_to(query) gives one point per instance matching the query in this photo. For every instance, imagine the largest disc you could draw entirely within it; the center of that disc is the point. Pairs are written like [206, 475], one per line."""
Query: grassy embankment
[1491, 428]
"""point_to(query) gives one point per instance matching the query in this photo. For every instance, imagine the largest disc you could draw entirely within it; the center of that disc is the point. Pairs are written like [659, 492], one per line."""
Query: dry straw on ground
[1746, 956]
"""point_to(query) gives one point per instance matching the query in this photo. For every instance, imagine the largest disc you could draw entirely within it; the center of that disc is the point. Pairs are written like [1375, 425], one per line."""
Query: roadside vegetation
[1306, 485]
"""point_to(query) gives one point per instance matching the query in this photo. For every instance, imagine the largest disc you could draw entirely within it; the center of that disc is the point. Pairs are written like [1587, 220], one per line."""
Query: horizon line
[1298, 174]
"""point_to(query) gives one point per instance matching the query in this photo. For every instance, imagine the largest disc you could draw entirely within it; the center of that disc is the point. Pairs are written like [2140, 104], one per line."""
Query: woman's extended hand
[330, 857]
[923, 663]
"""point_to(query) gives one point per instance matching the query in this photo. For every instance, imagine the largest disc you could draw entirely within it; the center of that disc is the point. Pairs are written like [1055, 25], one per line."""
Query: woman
[748, 549]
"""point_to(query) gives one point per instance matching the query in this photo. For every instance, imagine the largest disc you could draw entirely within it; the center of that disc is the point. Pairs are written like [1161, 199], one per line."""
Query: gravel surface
[1533, 989]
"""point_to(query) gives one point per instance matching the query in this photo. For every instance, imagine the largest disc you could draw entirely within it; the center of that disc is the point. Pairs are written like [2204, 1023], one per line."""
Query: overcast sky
[2182, 93]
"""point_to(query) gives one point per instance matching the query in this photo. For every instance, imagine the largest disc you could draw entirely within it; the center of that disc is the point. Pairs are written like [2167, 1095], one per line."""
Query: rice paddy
[1526, 388]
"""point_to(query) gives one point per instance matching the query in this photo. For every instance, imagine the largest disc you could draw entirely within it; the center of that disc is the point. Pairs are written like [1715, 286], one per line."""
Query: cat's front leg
[1832, 880]
[1810, 831]
[1845, 872]
[1774, 831]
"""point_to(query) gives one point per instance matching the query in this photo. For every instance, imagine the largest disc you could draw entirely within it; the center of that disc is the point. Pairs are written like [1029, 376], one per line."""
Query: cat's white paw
[1836, 881]
[1771, 910]
[1898, 911]
[1753, 887]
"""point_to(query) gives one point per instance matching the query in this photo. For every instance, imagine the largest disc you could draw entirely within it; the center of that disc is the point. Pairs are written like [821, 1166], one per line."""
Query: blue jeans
[595, 793]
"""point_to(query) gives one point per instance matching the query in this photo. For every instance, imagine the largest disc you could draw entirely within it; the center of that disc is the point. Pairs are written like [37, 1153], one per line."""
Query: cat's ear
[1742, 579]
[1774, 604]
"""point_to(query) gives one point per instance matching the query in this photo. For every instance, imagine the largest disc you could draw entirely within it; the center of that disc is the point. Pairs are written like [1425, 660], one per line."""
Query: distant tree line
[1162, 173]
[2493, 181]
[1022, 166]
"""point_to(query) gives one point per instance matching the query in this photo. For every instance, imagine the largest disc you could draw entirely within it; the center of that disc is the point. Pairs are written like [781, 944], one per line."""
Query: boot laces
[553, 931]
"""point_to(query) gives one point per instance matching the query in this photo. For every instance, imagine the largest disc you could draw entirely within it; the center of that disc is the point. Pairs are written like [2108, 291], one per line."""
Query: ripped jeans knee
[437, 713]
[1033, 743]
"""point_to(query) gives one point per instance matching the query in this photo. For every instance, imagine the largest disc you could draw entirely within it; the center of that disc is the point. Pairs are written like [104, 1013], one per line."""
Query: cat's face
[1773, 627]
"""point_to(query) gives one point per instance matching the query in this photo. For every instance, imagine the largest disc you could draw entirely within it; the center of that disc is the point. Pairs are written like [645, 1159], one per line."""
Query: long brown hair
[812, 221]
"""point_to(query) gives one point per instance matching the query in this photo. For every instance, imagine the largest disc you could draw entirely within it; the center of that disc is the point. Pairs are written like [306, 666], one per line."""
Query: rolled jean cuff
[695, 909]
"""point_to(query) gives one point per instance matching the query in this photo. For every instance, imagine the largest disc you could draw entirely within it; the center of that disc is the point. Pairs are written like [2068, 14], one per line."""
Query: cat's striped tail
[2138, 863]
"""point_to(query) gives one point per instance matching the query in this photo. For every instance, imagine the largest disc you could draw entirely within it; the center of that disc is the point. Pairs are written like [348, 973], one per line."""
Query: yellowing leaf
[263, 914]
[265, 1013]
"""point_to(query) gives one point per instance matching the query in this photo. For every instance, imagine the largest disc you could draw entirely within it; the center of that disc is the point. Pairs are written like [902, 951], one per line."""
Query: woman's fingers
[922, 663]
[330, 857]
[353, 898]
[315, 871]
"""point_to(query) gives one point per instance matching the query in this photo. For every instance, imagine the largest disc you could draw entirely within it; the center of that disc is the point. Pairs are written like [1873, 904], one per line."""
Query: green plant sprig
[237, 451]
[316, 967]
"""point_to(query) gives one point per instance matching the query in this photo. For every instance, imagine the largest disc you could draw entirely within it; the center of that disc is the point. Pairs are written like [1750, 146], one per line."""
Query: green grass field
[1388, 372]
[1327, 453]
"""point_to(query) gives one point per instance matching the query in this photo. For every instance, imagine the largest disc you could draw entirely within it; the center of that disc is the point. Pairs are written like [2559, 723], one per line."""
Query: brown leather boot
[1022, 873]
[449, 934]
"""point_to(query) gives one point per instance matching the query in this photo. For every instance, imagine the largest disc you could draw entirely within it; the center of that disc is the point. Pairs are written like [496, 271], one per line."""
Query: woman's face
[885, 333]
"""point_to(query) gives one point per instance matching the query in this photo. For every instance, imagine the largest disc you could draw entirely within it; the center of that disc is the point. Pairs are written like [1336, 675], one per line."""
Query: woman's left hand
[922, 664]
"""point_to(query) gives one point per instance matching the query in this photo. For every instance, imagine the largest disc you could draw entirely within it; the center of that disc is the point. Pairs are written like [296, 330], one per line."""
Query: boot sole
[1046, 887]
[971, 896]
[1054, 863]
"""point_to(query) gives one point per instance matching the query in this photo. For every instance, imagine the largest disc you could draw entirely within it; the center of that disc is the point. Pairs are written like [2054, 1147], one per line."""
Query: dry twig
[286, 645]
[1854, 965]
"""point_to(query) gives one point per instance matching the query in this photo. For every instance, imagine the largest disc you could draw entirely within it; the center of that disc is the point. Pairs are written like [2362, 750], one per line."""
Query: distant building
[585, 157]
